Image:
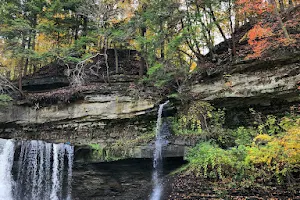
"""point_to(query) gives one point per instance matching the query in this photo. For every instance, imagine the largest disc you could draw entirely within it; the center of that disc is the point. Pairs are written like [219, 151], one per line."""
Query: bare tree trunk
[20, 74]
[116, 59]
[33, 66]
[76, 29]
[206, 33]
[232, 31]
[20, 64]
[285, 32]
[27, 59]
[162, 44]
[212, 14]
[85, 29]
[236, 22]
[106, 59]
[281, 5]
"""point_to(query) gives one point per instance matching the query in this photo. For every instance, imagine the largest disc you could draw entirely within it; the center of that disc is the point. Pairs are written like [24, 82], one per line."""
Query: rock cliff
[111, 121]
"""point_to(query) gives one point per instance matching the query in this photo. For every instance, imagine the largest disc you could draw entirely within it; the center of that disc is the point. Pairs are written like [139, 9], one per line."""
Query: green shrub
[244, 136]
[256, 160]
[201, 116]
[211, 161]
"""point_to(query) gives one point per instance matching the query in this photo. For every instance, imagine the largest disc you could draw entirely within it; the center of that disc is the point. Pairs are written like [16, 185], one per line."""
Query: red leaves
[258, 36]
[253, 7]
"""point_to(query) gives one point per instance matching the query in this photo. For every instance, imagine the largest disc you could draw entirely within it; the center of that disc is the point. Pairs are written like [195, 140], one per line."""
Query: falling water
[70, 154]
[157, 157]
[39, 172]
[6, 161]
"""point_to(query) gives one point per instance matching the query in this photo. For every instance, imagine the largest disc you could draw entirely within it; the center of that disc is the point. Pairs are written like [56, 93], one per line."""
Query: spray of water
[157, 157]
[40, 171]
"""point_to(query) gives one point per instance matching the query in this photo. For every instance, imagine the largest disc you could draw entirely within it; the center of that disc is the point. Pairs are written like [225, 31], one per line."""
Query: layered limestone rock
[92, 108]
[273, 83]
[118, 126]
[264, 80]
[267, 87]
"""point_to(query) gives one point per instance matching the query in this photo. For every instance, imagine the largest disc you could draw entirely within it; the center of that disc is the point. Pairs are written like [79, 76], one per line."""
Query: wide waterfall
[157, 157]
[35, 170]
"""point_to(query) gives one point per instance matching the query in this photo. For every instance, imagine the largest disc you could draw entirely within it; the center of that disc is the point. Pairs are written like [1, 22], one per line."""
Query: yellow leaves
[278, 149]
[43, 43]
[60, 16]
[262, 138]
[291, 145]
[193, 66]
[7, 61]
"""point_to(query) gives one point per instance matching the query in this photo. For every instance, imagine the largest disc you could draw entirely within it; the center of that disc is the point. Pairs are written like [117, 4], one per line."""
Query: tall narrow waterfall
[41, 171]
[157, 158]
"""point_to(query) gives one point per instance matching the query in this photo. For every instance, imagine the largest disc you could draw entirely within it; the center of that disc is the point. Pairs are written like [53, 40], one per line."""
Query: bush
[201, 116]
[244, 136]
[256, 158]
[211, 161]
[277, 155]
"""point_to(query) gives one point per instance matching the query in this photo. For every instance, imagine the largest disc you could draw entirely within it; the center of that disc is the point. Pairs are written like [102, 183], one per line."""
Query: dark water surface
[119, 180]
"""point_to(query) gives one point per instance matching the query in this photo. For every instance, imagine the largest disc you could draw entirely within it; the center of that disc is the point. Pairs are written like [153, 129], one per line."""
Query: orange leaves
[193, 66]
[258, 36]
[253, 7]
[259, 32]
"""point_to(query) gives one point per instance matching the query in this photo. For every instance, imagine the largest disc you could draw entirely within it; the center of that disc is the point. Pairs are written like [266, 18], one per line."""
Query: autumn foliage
[258, 39]
[253, 7]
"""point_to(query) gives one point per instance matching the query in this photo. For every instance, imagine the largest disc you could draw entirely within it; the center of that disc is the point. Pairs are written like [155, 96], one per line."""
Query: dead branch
[78, 74]
[7, 87]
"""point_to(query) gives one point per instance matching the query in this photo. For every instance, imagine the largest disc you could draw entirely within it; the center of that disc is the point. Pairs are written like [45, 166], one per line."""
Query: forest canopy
[174, 37]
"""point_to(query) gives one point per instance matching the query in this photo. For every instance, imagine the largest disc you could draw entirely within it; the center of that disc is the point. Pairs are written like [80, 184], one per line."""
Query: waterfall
[70, 154]
[157, 157]
[40, 171]
[6, 161]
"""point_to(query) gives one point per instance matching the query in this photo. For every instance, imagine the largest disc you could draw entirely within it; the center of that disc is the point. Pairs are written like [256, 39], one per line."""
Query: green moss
[97, 151]
[4, 99]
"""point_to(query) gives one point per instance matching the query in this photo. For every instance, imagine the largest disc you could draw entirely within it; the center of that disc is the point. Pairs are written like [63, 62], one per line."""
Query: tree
[19, 23]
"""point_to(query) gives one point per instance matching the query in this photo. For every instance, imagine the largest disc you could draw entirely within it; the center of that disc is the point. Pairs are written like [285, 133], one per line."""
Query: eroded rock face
[94, 107]
[97, 119]
[279, 82]
[268, 87]
[121, 126]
